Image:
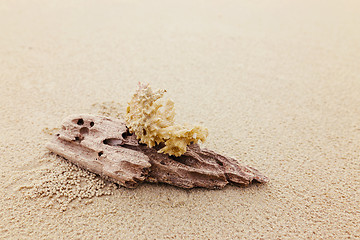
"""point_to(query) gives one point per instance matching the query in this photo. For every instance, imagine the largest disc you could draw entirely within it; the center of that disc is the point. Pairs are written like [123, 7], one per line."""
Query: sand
[277, 83]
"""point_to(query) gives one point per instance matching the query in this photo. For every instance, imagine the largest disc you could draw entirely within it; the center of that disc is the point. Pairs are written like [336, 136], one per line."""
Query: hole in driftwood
[100, 153]
[219, 162]
[80, 122]
[113, 141]
[125, 134]
[92, 124]
[84, 130]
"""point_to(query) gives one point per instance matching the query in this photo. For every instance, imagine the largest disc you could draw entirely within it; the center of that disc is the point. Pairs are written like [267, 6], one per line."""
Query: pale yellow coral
[151, 118]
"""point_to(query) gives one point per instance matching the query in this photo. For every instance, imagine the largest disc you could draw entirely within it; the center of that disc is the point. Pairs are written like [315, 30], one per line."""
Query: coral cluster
[151, 118]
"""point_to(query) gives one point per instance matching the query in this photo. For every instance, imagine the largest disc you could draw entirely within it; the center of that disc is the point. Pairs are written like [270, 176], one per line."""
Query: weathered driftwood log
[105, 146]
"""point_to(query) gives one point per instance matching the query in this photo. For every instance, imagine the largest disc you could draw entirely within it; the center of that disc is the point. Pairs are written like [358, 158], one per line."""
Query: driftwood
[105, 146]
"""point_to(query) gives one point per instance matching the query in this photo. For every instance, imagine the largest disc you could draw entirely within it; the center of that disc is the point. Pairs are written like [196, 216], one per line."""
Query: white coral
[151, 118]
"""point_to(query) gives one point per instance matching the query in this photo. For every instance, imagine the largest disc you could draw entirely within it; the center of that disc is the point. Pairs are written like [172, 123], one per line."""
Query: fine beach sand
[277, 83]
